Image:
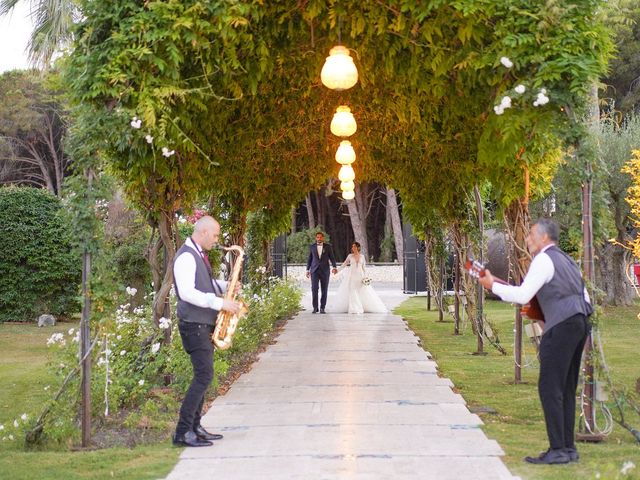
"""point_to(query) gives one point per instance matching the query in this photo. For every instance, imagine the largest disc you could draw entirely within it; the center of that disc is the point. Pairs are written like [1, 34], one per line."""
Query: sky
[15, 29]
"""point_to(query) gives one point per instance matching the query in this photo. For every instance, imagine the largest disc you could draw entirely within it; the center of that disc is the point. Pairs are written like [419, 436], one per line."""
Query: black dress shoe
[190, 439]
[550, 457]
[202, 434]
[573, 454]
[322, 310]
[315, 310]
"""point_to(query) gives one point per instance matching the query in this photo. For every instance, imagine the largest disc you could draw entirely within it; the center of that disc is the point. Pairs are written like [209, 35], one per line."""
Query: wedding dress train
[352, 296]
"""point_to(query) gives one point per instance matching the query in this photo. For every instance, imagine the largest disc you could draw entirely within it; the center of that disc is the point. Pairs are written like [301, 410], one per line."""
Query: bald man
[200, 298]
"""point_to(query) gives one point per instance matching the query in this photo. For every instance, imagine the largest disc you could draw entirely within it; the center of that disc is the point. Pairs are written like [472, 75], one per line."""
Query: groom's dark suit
[318, 267]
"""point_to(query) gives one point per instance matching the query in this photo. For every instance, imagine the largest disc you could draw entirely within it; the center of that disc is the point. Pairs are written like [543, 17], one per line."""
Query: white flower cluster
[155, 347]
[56, 338]
[137, 124]
[504, 104]
[131, 291]
[167, 153]
[627, 467]
[262, 270]
[164, 323]
[542, 98]
[506, 62]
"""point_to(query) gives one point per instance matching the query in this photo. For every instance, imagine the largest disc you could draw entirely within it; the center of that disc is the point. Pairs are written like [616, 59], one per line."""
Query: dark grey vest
[563, 296]
[188, 312]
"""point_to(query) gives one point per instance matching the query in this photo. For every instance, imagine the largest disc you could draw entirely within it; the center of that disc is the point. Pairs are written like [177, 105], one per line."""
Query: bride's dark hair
[357, 245]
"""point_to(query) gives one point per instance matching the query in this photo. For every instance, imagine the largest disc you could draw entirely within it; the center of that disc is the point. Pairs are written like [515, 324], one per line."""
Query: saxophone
[227, 322]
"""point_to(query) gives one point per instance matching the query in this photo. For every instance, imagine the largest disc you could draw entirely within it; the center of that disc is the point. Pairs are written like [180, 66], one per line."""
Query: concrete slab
[345, 467]
[344, 397]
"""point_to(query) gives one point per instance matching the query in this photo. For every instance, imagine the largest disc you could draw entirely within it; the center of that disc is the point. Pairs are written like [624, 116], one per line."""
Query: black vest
[563, 296]
[188, 312]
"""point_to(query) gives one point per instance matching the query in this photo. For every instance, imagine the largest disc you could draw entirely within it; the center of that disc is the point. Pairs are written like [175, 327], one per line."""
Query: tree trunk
[434, 264]
[517, 226]
[166, 230]
[357, 223]
[396, 223]
[310, 215]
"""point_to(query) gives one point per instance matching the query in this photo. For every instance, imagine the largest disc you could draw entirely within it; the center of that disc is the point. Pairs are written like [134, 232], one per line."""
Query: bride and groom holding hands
[352, 296]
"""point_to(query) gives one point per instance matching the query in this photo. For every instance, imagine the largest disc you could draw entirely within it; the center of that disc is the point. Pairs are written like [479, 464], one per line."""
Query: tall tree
[53, 26]
[32, 127]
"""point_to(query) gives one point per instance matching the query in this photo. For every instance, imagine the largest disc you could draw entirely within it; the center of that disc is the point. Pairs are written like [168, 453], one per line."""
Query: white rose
[520, 89]
[506, 62]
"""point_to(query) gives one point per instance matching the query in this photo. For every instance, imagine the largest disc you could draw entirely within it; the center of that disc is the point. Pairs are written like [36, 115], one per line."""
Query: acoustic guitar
[531, 310]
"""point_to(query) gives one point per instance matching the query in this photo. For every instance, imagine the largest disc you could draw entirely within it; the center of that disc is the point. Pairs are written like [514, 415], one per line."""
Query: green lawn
[23, 378]
[487, 381]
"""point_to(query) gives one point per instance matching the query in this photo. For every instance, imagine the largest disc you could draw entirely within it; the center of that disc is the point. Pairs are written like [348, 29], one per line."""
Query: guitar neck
[499, 280]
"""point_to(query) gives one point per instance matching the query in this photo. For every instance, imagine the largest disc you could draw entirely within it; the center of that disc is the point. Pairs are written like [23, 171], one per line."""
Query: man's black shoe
[202, 434]
[190, 439]
[550, 457]
[315, 310]
[322, 310]
[573, 454]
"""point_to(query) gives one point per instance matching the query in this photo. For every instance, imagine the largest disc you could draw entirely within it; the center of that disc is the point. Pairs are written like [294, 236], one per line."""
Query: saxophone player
[199, 301]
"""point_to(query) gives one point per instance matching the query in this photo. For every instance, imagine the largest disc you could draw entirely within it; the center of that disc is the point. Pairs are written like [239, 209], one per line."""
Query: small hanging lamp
[345, 155]
[348, 195]
[339, 72]
[346, 186]
[343, 123]
[346, 174]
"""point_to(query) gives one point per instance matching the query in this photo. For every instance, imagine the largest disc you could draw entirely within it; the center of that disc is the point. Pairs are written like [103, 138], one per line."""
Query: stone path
[344, 397]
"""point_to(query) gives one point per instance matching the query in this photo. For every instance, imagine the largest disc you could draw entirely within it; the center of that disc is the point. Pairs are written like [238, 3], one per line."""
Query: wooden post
[480, 292]
[85, 339]
[587, 239]
[456, 291]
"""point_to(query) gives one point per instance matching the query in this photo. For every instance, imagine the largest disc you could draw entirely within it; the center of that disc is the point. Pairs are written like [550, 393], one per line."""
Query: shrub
[40, 270]
[133, 364]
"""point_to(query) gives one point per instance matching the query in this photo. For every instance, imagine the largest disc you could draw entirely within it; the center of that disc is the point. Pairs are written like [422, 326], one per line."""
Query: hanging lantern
[339, 72]
[343, 123]
[345, 155]
[346, 174]
[346, 186]
[348, 195]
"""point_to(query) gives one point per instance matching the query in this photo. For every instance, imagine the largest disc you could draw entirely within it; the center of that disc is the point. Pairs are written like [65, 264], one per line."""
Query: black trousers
[560, 356]
[319, 278]
[196, 340]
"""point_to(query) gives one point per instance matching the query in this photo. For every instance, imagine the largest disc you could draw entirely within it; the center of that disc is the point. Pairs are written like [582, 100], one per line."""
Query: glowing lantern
[348, 195]
[346, 174]
[345, 154]
[346, 186]
[343, 123]
[339, 72]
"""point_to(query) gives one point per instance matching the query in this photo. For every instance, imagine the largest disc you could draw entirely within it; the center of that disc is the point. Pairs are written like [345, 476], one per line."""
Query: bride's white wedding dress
[352, 296]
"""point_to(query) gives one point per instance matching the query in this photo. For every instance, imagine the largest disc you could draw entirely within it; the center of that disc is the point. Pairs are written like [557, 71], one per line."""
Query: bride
[352, 295]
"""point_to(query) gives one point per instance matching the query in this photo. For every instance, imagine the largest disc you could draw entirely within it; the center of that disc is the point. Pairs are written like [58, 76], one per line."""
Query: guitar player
[556, 281]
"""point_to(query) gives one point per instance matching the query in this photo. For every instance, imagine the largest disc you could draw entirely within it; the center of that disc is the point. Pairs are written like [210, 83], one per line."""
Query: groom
[320, 254]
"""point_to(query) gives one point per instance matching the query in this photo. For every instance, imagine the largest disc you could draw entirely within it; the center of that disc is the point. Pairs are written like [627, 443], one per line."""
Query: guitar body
[531, 310]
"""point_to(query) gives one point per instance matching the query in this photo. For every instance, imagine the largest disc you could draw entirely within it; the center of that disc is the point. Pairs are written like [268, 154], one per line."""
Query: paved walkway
[344, 397]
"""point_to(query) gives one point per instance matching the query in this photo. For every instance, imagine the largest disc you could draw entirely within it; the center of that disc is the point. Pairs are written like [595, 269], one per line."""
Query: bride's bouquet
[366, 281]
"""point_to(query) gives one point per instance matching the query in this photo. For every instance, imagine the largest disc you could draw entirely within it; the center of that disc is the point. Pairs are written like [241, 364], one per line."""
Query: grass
[518, 425]
[23, 378]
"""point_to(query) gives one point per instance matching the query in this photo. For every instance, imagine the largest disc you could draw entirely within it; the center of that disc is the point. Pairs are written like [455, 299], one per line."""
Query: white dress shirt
[184, 270]
[540, 272]
[319, 250]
